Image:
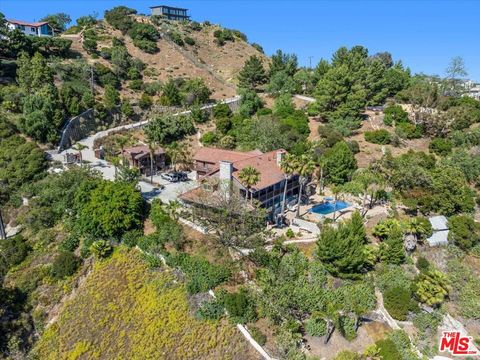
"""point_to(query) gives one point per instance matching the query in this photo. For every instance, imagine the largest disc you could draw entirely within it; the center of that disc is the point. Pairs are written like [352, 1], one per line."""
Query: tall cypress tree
[252, 73]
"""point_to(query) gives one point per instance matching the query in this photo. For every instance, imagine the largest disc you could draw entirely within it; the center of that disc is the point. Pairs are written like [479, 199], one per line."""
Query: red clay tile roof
[214, 155]
[26, 23]
[266, 165]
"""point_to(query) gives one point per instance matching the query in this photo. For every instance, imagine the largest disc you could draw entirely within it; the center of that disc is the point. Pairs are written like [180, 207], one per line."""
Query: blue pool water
[329, 207]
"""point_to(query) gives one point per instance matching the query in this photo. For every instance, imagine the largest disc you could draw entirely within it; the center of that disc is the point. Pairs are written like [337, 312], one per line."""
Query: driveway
[169, 193]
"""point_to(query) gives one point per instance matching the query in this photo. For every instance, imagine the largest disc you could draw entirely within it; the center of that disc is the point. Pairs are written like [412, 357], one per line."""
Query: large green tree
[107, 208]
[342, 249]
[339, 163]
[252, 74]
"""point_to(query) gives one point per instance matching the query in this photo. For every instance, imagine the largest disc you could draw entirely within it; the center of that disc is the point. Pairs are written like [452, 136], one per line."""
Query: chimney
[280, 157]
[226, 169]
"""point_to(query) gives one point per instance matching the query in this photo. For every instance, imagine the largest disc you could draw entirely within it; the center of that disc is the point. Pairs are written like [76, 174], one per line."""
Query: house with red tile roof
[225, 166]
[41, 28]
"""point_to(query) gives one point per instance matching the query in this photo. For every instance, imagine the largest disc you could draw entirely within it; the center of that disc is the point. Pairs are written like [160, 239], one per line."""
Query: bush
[210, 310]
[240, 306]
[152, 88]
[146, 101]
[464, 231]
[146, 45]
[290, 233]
[209, 138]
[397, 302]
[135, 84]
[118, 17]
[130, 238]
[263, 112]
[13, 251]
[65, 264]
[381, 136]
[441, 146]
[409, 131]
[199, 116]
[394, 113]
[423, 264]
[70, 243]
[221, 110]
[188, 40]
[257, 335]
[201, 275]
[316, 326]
[347, 327]
[101, 249]
[388, 350]
[177, 38]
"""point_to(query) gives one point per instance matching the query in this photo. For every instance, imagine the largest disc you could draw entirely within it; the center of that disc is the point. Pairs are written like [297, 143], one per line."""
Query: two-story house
[31, 28]
[139, 157]
[226, 166]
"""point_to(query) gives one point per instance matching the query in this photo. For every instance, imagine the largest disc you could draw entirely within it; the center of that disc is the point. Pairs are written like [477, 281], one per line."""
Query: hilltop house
[171, 13]
[139, 157]
[31, 28]
[225, 166]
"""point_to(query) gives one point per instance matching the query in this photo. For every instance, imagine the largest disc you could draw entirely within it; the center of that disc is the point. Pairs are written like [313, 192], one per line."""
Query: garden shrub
[198, 115]
[397, 302]
[257, 335]
[290, 233]
[381, 136]
[209, 138]
[146, 101]
[427, 323]
[152, 88]
[101, 249]
[65, 264]
[441, 146]
[13, 251]
[177, 38]
[423, 264]
[131, 238]
[190, 41]
[347, 327]
[210, 310]
[221, 110]
[388, 350]
[201, 274]
[240, 306]
[264, 112]
[135, 84]
[394, 113]
[316, 326]
[70, 243]
[409, 131]
[464, 231]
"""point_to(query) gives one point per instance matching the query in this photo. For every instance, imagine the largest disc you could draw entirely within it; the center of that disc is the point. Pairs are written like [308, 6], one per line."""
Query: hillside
[124, 310]
[216, 65]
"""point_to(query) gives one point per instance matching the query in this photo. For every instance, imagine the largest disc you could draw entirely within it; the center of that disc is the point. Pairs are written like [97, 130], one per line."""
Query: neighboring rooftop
[438, 223]
[26, 23]
[141, 150]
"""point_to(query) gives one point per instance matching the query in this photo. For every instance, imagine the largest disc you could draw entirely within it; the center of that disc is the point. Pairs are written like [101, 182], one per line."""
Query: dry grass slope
[124, 310]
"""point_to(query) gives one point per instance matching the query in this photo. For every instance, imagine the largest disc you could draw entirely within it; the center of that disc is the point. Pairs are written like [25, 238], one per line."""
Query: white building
[31, 28]
[440, 231]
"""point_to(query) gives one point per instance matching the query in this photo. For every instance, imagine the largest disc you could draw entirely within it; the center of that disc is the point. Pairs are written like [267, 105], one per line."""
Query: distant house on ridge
[171, 13]
[41, 28]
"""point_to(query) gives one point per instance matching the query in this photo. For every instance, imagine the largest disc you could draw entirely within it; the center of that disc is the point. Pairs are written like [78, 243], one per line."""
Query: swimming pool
[329, 207]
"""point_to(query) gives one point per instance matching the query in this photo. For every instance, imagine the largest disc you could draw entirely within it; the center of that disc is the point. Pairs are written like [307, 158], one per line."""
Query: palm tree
[79, 147]
[249, 176]
[288, 167]
[336, 190]
[121, 141]
[304, 168]
[367, 180]
[172, 208]
[151, 150]
[179, 154]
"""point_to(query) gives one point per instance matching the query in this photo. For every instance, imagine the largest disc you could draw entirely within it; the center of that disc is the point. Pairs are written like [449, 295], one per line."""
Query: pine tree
[392, 250]
[342, 249]
[339, 163]
[252, 73]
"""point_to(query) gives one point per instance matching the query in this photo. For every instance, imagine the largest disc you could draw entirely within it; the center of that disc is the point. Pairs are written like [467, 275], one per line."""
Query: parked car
[175, 176]
[171, 177]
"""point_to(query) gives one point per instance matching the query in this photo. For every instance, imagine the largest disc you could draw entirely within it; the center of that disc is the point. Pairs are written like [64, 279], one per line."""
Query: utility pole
[3, 233]
[310, 62]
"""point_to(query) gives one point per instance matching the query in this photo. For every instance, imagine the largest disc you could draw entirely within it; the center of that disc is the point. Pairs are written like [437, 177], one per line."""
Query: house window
[33, 29]
[22, 27]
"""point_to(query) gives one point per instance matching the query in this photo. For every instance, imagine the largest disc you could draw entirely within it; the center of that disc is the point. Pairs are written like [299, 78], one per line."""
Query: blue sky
[425, 35]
